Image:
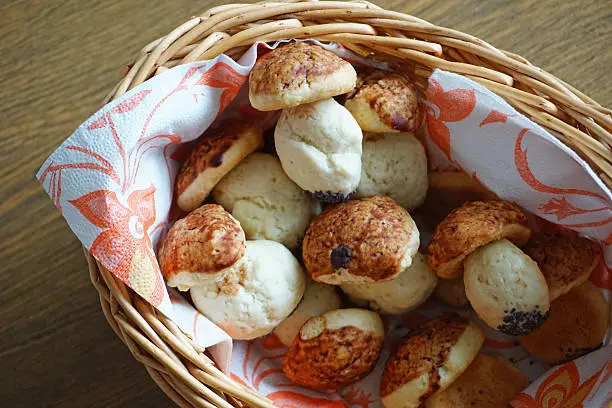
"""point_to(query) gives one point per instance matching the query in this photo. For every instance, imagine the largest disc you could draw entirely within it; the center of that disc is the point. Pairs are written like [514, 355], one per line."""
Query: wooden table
[58, 60]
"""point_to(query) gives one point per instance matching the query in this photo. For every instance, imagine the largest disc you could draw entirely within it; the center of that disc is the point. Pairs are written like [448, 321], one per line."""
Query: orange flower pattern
[124, 246]
[451, 106]
[561, 389]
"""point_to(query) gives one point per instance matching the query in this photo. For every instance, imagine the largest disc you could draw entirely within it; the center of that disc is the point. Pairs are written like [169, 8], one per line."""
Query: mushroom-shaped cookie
[298, 73]
[452, 292]
[395, 165]
[386, 102]
[429, 360]
[576, 325]
[448, 190]
[319, 146]
[411, 288]
[265, 201]
[335, 349]
[489, 382]
[566, 260]
[256, 295]
[470, 226]
[506, 288]
[318, 299]
[201, 247]
[217, 152]
[360, 241]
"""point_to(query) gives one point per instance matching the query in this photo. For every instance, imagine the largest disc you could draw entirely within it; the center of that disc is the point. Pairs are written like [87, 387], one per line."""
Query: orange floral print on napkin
[561, 389]
[124, 246]
[451, 106]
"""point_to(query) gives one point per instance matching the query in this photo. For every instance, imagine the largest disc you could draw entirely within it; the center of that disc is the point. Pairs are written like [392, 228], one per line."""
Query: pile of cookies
[270, 236]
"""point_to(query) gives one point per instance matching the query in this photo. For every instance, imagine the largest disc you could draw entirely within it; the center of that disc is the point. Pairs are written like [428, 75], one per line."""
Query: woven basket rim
[181, 368]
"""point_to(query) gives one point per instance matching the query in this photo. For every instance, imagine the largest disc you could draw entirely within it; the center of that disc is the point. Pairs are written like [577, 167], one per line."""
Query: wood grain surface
[58, 60]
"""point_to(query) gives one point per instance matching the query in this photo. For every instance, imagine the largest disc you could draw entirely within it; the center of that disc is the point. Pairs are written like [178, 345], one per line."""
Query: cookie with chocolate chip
[360, 241]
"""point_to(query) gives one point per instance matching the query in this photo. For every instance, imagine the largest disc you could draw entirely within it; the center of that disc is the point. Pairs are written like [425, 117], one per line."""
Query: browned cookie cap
[386, 102]
[470, 226]
[200, 247]
[576, 325]
[335, 349]
[565, 260]
[360, 241]
[429, 360]
[489, 382]
[296, 74]
[217, 152]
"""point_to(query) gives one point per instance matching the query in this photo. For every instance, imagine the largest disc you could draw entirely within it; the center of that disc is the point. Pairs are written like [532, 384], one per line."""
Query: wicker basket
[180, 367]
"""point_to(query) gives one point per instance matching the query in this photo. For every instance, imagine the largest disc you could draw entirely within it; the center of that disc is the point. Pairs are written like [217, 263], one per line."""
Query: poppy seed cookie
[470, 226]
[506, 288]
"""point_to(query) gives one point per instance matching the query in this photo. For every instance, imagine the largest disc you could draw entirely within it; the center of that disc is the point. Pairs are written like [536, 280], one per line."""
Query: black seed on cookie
[329, 197]
[340, 257]
[519, 323]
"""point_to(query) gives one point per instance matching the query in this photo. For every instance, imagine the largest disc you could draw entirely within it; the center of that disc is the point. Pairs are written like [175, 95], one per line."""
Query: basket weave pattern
[179, 366]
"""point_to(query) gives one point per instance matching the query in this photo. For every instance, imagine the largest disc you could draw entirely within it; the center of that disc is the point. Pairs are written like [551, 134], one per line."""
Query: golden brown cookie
[360, 241]
[298, 73]
[506, 288]
[577, 324]
[489, 382]
[429, 360]
[335, 349]
[449, 190]
[386, 102]
[470, 226]
[566, 260]
[452, 292]
[217, 152]
[201, 247]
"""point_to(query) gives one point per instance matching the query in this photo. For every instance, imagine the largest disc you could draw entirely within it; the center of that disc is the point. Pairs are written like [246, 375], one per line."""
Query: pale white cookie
[256, 295]
[265, 201]
[411, 288]
[394, 164]
[319, 146]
